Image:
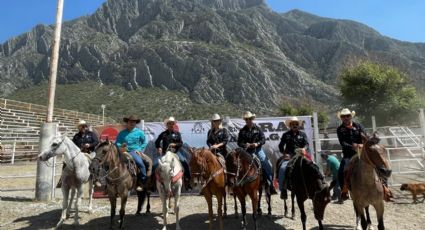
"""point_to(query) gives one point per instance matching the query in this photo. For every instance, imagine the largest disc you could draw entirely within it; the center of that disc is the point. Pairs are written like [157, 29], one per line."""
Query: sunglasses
[249, 119]
[345, 116]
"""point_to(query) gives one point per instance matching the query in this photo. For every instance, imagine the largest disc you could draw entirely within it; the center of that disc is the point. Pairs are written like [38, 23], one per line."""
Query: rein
[204, 170]
[103, 161]
[243, 181]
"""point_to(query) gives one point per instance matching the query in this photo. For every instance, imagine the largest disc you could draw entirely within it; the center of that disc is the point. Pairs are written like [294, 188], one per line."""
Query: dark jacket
[348, 136]
[217, 137]
[253, 135]
[291, 141]
[88, 137]
[167, 137]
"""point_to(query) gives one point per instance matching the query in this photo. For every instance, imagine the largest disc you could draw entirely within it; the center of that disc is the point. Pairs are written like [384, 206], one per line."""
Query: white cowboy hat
[345, 111]
[170, 119]
[216, 117]
[293, 119]
[248, 114]
[82, 122]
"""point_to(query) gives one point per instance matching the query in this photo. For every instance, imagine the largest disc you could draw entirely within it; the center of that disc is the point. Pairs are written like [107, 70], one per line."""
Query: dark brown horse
[206, 164]
[308, 183]
[244, 174]
[119, 179]
[366, 185]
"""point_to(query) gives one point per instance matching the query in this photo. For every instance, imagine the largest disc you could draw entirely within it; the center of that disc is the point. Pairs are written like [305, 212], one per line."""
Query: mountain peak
[231, 4]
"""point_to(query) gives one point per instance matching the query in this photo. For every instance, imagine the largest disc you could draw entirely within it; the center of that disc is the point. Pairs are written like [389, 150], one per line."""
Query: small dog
[415, 189]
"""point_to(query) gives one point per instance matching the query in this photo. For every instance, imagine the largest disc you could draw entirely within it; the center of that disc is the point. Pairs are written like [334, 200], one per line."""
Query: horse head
[102, 150]
[232, 166]
[168, 168]
[197, 161]
[373, 153]
[321, 199]
[55, 148]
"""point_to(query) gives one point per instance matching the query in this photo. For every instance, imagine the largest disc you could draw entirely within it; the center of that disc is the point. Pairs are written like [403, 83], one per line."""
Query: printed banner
[194, 133]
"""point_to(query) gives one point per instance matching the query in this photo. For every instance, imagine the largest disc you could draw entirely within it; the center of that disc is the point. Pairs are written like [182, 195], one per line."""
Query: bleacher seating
[20, 124]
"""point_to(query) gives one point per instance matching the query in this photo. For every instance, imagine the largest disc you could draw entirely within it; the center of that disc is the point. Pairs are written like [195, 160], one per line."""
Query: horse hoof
[137, 213]
[370, 227]
[59, 224]
[147, 211]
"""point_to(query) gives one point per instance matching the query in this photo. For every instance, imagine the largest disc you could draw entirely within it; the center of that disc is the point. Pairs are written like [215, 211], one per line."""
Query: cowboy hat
[344, 112]
[216, 117]
[132, 118]
[293, 119]
[248, 114]
[170, 119]
[82, 122]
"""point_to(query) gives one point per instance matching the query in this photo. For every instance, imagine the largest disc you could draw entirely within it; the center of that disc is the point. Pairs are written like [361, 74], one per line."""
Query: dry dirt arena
[19, 211]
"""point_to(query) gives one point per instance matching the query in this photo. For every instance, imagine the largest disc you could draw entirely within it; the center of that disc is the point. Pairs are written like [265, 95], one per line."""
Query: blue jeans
[281, 176]
[342, 167]
[265, 164]
[140, 165]
[336, 189]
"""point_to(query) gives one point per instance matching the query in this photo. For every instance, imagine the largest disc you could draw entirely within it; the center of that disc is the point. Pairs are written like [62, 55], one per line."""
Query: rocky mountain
[233, 51]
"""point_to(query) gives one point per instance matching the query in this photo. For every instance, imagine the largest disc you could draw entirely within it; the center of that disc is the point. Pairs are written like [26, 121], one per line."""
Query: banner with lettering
[194, 133]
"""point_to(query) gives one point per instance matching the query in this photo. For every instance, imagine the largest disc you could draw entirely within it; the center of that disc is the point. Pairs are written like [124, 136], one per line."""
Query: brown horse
[244, 174]
[118, 177]
[206, 164]
[366, 185]
[307, 182]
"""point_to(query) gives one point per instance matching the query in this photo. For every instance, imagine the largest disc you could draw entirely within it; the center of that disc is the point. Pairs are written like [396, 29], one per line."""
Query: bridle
[244, 180]
[102, 161]
[204, 168]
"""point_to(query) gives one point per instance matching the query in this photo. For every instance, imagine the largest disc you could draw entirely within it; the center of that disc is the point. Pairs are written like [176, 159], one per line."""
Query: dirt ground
[18, 210]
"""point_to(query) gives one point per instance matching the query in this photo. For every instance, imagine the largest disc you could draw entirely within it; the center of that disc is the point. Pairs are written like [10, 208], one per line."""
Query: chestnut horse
[119, 179]
[207, 165]
[244, 174]
[366, 185]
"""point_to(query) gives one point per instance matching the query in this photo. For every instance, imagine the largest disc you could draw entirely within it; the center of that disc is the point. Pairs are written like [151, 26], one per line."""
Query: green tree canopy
[380, 90]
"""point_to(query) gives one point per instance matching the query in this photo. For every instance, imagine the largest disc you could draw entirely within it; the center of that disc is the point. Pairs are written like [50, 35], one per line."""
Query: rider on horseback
[350, 138]
[252, 138]
[136, 142]
[217, 137]
[172, 141]
[85, 139]
[292, 139]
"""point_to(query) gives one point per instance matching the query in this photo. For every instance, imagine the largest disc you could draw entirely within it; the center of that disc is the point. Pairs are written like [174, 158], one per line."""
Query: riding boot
[284, 194]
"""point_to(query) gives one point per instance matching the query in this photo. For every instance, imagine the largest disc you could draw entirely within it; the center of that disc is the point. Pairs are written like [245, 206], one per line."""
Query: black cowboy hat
[132, 118]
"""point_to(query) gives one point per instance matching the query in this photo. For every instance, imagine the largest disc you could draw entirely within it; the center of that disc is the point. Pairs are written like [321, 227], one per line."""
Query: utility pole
[45, 178]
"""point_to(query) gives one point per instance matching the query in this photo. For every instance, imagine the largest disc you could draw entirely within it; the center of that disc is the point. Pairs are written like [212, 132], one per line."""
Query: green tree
[304, 109]
[380, 90]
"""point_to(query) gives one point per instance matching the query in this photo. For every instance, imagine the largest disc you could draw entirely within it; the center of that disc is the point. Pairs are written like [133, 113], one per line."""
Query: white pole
[54, 62]
[318, 147]
[43, 188]
[13, 153]
[373, 124]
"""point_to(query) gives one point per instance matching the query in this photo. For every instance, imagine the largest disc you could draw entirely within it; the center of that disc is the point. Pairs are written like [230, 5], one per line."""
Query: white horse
[74, 175]
[169, 183]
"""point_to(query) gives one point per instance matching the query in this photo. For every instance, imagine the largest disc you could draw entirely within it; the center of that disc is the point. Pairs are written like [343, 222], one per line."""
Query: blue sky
[403, 20]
